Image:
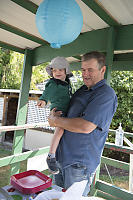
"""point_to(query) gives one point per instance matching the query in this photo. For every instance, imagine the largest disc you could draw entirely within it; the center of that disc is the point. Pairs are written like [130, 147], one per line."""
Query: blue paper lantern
[59, 21]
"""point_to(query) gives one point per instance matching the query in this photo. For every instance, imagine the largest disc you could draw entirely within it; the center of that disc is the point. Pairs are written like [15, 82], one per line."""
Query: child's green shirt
[58, 93]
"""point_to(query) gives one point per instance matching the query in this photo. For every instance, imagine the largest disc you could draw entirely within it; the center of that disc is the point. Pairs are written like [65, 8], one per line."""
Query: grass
[5, 171]
[120, 181]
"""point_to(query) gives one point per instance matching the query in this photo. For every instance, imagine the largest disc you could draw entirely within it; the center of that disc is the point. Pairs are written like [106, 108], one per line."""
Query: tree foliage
[122, 82]
[4, 63]
[11, 64]
[39, 75]
[77, 82]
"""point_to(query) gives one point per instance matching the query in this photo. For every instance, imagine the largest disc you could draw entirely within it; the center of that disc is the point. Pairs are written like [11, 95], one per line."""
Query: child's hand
[41, 104]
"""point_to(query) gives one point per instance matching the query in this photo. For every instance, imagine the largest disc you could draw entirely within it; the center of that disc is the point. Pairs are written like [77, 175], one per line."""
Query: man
[87, 124]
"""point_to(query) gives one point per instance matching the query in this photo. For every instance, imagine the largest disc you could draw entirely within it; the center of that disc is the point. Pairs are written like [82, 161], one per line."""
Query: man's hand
[53, 116]
[76, 125]
[41, 104]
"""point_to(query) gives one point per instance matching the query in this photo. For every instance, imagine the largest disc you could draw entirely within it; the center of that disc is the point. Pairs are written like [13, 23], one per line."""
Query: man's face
[91, 73]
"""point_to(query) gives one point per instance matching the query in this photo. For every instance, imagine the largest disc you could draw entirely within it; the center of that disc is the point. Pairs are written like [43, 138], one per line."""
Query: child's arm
[44, 98]
[41, 103]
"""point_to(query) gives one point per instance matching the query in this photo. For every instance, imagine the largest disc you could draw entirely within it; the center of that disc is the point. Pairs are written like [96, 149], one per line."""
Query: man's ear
[103, 69]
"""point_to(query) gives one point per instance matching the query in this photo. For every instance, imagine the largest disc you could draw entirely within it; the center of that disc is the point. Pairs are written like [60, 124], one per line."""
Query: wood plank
[115, 163]
[21, 33]
[113, 190]
[100, 11]
[131, 174]
[11, 47]
[123, 149]
[28, 5]
[110, 53]
[85, 43]
[106, 196]
[23, 127]
[13, 159]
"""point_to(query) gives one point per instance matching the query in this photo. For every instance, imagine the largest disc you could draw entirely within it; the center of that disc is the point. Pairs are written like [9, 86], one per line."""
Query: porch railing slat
[22, 156]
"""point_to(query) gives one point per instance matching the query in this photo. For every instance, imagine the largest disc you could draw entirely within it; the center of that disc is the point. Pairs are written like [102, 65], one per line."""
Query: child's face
[59, 74]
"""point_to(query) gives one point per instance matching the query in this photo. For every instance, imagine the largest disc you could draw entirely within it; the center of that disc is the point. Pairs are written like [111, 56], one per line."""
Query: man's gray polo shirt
[98, 106]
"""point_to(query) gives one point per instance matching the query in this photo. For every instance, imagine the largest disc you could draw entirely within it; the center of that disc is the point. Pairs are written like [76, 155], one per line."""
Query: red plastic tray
[30, 182]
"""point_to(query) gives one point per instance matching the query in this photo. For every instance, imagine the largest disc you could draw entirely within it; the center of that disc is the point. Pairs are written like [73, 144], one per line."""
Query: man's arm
[77, 125]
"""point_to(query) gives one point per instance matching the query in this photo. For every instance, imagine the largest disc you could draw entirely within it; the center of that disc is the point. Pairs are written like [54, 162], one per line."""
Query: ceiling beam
[121, 62]
[124, 38]
[101, 12]
[122, 66]
[21, 33]
[116, 66]
[11, 47]
[82, 44]
[90, 41]
[28, 5]
[77, 57]
[123, 57]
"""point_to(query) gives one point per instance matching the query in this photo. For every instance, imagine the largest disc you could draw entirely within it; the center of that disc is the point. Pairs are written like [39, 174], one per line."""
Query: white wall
[36, 139]
[33, 140]
[1, 108]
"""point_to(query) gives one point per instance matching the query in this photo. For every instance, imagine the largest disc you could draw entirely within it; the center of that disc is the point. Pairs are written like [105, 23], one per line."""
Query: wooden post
[109, 63]
[110, 53]
[22, 108]
[93, 190]
[131, 174]
[131, 166]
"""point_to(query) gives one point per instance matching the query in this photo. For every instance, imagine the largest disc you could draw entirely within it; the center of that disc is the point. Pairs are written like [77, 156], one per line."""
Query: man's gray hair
[100, 57]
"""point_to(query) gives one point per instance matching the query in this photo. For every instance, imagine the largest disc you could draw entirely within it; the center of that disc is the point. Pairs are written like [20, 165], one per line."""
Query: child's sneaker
[52, 165]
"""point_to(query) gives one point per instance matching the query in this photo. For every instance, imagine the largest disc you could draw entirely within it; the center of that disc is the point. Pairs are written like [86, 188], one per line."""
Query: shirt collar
[58, 81]
[97, 85]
